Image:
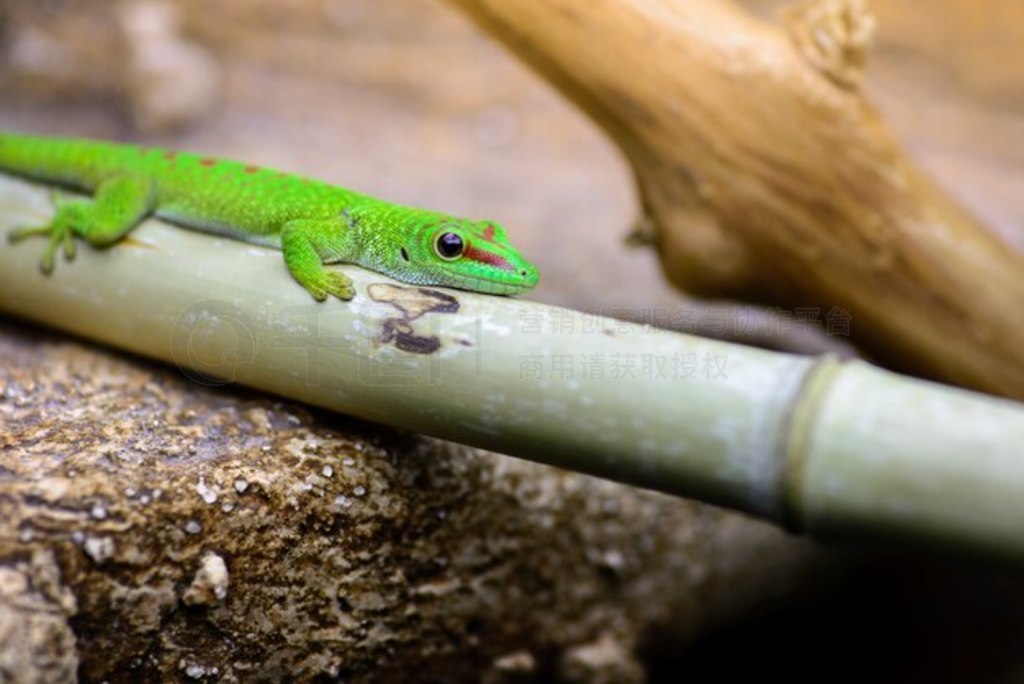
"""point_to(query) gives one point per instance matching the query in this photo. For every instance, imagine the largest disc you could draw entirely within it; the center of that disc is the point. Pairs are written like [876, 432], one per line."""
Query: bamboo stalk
[787, 438]
[767, 175]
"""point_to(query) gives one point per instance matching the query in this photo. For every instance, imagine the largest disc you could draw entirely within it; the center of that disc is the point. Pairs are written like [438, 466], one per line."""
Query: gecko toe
[46, 262]
[69, 245]
[19, 234]
[340, 286]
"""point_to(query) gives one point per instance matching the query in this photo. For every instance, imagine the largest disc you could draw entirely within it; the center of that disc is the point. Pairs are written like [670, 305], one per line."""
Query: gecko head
[472, 255]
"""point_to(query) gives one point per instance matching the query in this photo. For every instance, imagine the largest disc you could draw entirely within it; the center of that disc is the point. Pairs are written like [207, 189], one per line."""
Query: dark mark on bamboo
[412, 303]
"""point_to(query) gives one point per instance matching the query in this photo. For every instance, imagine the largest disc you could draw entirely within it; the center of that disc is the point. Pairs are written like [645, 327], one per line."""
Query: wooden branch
[767, 175]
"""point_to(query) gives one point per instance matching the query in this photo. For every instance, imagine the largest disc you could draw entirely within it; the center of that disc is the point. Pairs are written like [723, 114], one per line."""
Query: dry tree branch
[768, 176]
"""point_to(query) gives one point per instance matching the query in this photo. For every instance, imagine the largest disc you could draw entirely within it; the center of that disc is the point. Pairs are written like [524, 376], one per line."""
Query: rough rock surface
[151, 528]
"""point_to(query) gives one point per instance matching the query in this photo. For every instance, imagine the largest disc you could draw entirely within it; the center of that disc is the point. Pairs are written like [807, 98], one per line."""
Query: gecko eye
[449, 246]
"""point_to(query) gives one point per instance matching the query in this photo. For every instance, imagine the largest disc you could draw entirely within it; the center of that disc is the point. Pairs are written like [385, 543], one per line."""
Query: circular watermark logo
[211, 340]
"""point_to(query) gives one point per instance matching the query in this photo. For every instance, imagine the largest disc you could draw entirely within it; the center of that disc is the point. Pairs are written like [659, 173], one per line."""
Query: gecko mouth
[521, 282]
[499, 269]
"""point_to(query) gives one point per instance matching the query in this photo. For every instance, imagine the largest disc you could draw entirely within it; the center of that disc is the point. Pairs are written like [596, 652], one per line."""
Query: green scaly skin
[311, 222]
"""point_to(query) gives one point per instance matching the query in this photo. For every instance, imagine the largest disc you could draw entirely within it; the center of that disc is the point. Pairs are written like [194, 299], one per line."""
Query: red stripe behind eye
[484, 257]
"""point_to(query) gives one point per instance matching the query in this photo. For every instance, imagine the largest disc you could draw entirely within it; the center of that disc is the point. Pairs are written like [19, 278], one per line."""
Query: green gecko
[311, 222]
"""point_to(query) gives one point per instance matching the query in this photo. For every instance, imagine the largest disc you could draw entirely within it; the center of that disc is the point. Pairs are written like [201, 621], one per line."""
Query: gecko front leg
[307, 245]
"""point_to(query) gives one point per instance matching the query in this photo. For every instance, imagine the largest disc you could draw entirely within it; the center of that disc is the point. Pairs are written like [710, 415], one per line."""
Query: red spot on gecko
[251, 169]
[170, 154]
[482, 256]
[488, 233]
[207, 161]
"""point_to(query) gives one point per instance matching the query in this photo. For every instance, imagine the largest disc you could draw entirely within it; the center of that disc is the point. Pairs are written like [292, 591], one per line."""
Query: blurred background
[406, 100]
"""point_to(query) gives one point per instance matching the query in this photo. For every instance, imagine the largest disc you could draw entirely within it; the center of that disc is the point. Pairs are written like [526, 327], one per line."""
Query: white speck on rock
[195, 671]
[227, 507]
[360, 490]
[517, 663]
[210, 584]
[241, 485]
[327, 471]
[342, 501]
[208, 495]
[614, 560]
[99, 548]
[349, 461]
[98, 512]
[193, 527]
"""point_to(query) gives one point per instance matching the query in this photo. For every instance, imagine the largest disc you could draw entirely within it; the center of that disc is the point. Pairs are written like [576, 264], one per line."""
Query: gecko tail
[74, 163]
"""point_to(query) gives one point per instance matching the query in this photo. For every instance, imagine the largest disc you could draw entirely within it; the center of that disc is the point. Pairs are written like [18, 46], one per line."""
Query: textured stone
[154, 528]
